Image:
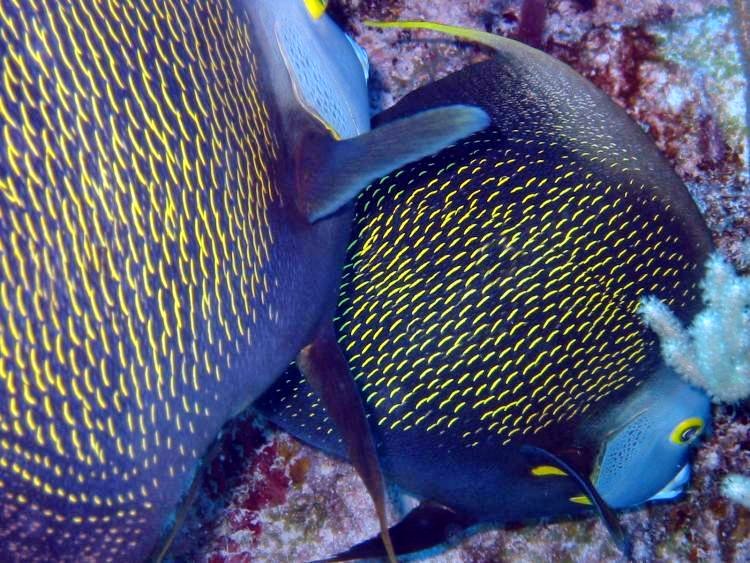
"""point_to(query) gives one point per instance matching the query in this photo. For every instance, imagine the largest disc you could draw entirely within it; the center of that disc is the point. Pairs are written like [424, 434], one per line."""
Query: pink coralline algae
[674, 65]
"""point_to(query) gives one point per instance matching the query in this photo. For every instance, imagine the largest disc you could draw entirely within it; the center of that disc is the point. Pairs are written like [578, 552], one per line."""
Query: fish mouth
[676, 486]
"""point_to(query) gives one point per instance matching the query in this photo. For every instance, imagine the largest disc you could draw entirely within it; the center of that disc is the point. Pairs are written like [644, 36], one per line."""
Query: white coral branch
[714, 352]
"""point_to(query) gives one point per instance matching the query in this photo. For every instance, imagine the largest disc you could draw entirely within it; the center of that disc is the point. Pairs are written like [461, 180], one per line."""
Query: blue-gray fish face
[648, 457]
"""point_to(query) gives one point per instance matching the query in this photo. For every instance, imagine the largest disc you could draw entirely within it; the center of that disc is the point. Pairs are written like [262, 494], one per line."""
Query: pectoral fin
[428, 525]
[331, 173]
[326, 370]
[606, 513]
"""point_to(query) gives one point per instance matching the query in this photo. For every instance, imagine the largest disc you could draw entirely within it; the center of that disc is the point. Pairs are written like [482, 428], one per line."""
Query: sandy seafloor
[676, 68]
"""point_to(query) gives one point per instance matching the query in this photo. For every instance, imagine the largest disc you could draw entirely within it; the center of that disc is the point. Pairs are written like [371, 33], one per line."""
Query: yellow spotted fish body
[491, 293]
[146, 240]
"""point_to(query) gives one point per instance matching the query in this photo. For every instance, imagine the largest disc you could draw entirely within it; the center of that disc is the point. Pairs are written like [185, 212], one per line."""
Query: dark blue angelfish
[488, 310]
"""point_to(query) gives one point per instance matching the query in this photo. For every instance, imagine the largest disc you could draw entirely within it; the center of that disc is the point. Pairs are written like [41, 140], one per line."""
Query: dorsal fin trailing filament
[481, 37]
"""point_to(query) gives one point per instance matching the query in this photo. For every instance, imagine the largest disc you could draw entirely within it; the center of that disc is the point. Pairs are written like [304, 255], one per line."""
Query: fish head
[647, 455]
[316, 66]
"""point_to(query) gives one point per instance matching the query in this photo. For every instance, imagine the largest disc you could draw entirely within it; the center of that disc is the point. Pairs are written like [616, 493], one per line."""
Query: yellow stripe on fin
[581, 499]
[547, 470]
[482, 37]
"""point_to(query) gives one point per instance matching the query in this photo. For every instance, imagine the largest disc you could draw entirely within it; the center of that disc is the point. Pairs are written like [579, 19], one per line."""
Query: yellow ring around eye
[316, 8]
[686, 431]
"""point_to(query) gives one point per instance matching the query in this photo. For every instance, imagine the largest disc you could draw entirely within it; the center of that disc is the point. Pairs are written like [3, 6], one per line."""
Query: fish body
[488, 308]
[158, 265]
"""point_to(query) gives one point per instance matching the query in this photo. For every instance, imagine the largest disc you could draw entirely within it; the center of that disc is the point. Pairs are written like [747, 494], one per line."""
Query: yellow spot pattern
[136, 169]
[497, 296]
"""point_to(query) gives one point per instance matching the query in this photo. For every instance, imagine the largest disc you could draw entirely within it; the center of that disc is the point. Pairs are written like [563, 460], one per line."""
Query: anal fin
[428, 525]
[326, 370]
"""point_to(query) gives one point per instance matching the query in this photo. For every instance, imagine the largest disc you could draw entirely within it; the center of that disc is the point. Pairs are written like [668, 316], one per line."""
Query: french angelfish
[488, 310]
[173, 220]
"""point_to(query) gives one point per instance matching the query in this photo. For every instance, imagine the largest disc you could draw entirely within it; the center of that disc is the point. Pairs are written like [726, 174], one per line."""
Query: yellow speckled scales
[135, 185]
[522, 313]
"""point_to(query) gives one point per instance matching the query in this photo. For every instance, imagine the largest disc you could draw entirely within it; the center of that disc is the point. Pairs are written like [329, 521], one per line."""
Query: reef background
[676, 67]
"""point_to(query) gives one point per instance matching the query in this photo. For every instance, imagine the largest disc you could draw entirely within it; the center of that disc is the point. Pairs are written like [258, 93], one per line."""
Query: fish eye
[316, 8]
[686, 431]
